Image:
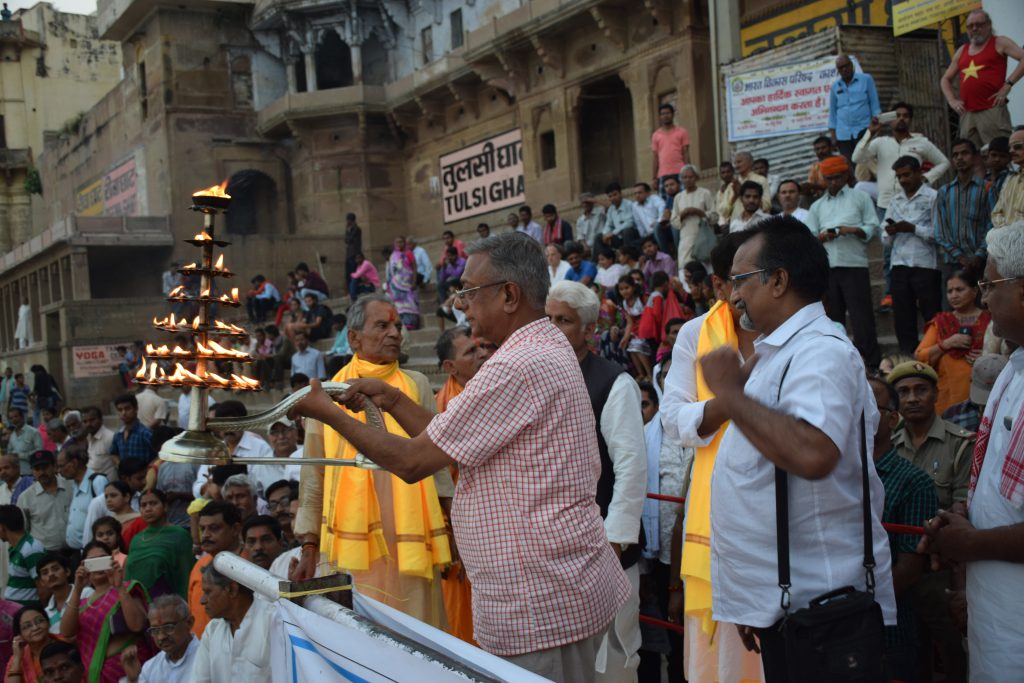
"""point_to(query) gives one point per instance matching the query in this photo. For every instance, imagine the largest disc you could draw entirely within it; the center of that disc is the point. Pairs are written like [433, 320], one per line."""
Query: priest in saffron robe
[389, 535]
[713, 651]
[460, 356]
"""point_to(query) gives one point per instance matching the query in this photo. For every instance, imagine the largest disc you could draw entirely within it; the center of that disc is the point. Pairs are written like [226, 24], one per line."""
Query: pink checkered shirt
[526, 524]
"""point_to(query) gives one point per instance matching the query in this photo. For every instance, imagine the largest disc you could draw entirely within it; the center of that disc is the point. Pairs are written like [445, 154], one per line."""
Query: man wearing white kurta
[990, 540]
[809, 428]
[235, 645]
[622, 487]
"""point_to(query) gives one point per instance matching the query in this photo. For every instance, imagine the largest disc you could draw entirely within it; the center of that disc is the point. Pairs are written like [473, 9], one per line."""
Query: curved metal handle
[259, 421]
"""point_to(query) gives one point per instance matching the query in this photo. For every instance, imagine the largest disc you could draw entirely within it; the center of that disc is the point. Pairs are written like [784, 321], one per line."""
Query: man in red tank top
[980, 68]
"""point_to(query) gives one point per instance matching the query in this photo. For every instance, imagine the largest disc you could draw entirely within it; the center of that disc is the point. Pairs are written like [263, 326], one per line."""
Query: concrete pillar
[311, 69]
[357, 63]
[644, 122]
[293, 84]
[20, 216]
[80, 288]
[6, 238]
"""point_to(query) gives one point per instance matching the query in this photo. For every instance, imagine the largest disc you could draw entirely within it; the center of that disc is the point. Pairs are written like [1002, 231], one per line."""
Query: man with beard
[170, 627]
[984, 84]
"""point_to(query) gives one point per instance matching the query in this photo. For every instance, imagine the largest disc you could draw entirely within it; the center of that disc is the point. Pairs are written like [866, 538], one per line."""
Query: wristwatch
[1010, 83]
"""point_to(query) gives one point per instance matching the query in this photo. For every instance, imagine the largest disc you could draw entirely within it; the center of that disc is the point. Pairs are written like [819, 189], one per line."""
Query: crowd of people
[647, 347]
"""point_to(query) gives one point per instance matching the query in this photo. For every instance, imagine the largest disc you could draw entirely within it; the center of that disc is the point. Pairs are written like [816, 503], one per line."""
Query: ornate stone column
[356, 49]
[289, 68]
[310, 56]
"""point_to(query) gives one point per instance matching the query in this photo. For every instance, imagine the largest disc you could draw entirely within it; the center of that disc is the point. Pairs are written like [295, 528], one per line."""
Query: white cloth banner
[313, 649]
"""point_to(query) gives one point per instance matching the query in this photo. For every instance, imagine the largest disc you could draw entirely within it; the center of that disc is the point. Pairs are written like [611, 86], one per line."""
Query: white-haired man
[622, 487]
[980, 65]
[988, 536]
[170, 627]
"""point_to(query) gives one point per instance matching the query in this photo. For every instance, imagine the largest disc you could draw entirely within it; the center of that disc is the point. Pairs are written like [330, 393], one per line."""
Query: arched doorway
[253, 203]
[333, 62]
[606, 142]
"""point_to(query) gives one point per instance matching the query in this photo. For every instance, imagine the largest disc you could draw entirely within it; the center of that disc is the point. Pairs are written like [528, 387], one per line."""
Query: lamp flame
[220, 263]
[214, 191]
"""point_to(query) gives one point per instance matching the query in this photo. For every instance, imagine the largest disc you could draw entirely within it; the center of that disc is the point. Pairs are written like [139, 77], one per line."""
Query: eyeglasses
[470, 293]
[987, 286]
[40, 622]
[740, 277]
[977, 24]
[165, 629]
[280, 503]
[1017, 146]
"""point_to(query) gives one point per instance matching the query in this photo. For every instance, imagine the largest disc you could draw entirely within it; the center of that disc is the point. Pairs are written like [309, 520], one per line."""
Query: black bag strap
[782, 516]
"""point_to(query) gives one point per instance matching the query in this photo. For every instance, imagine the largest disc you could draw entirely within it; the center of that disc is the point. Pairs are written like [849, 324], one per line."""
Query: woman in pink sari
[108, 621]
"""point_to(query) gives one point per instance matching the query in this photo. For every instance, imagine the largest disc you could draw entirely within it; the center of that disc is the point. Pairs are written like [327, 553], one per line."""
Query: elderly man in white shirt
[647, 209]
[235, 643]
[909, 230]
[988, 537]
[100, 441]
[170, 627]
[801, 417]
[622, 486]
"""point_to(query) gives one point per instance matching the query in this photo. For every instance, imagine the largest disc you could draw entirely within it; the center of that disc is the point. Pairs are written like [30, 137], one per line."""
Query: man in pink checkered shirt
[546, 582]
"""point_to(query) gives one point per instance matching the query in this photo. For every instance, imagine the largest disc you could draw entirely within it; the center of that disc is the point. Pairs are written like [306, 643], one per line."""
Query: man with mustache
[219, 530]
[263, 540]
[170, 627]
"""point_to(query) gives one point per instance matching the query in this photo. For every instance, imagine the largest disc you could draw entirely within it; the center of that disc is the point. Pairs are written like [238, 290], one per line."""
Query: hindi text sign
[484, 177]
[781, 100]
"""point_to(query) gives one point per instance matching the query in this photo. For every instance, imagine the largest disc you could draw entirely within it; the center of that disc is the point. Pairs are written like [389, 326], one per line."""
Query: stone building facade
[313, 109]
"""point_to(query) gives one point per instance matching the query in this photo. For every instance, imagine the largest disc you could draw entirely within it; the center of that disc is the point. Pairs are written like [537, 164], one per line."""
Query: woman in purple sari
[401, 284]
[108, 621]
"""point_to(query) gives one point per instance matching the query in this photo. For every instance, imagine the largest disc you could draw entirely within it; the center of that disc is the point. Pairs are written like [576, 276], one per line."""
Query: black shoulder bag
[840, 636]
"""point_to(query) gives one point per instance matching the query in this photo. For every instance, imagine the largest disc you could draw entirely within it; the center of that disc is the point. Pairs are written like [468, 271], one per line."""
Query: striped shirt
[961, 217]
[21, 570]
[965, 414]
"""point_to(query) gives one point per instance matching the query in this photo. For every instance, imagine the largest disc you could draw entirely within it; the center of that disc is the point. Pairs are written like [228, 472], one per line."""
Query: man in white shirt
[910, 232]
[647, 209]
[170, 627]
[884, 150]
[234, 645]
[100, 441]
[801, 417]
[622, 486]
[152, 408]
[307, 360]
[990, 538]
[589, 225]
[424, 268]
[789, 200]
[528, 225]
[751, 194]
[241, 445]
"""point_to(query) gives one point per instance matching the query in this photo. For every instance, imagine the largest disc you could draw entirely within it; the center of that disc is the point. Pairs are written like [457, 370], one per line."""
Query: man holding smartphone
[844, 219]
[910, 232]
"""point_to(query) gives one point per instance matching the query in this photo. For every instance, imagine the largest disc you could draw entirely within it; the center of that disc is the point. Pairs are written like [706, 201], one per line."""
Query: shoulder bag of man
[840, 636]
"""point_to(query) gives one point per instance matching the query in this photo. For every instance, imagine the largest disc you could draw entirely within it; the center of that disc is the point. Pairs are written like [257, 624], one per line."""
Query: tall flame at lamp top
[213, 198]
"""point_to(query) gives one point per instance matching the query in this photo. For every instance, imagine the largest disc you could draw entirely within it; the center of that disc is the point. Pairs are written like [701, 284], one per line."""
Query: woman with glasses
[109, 620]
[953, 339]
[31, 635]
[160, 557]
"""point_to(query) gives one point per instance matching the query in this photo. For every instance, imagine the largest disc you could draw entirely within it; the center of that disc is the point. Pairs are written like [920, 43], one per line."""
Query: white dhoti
[720, 658]
[617, 656]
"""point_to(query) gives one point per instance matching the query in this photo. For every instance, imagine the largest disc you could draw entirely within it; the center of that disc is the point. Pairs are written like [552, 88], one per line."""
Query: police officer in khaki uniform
[940, 448]
[943, 450]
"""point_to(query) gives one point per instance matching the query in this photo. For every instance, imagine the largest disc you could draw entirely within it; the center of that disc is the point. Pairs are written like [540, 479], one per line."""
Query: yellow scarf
[352, 532]
[716, 331]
